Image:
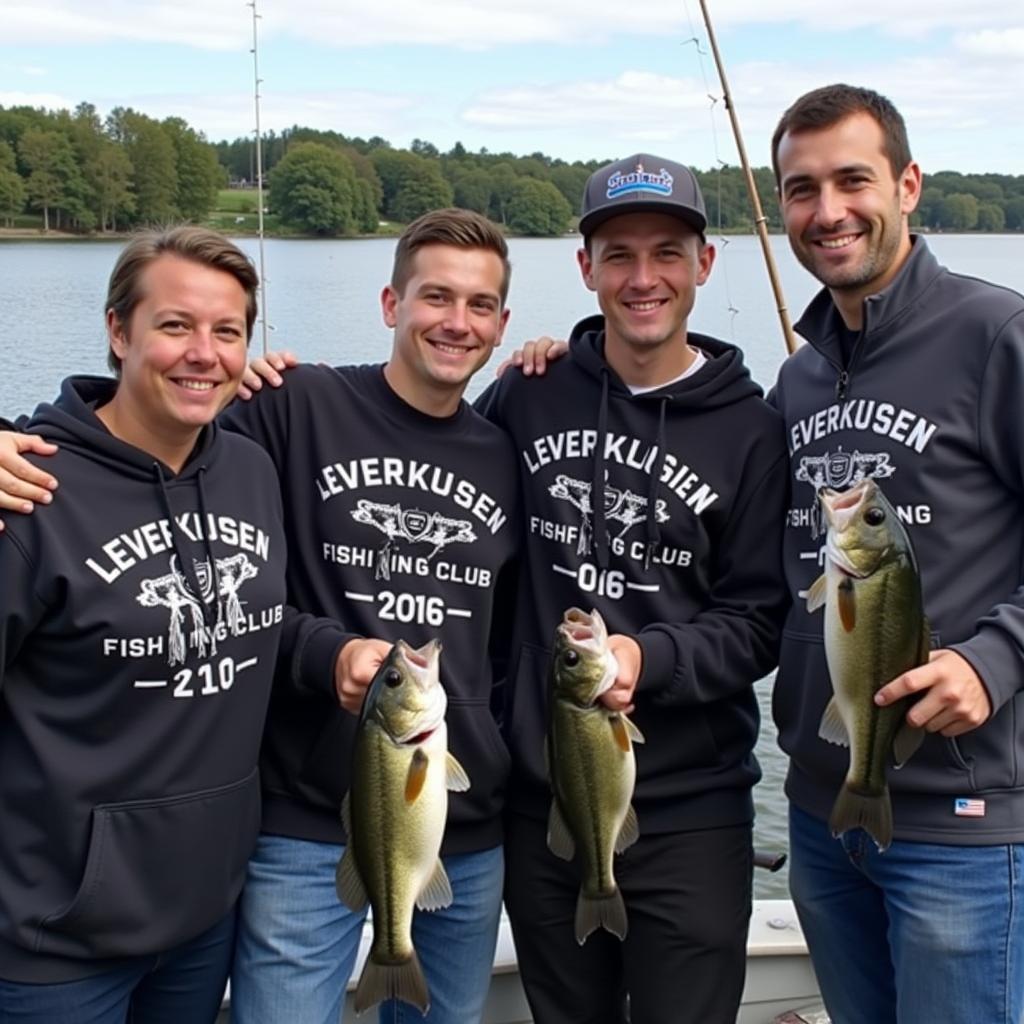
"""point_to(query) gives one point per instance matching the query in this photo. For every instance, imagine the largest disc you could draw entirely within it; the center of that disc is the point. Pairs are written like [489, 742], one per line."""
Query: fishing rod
[259, 173]
[760, 221]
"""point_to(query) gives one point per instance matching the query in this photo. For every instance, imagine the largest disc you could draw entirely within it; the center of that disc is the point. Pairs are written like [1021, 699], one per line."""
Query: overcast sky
[577, 79]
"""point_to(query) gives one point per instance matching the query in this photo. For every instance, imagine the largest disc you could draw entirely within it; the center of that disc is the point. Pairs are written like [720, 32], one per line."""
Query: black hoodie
[399, 525]
[130, 710]
[683, 553]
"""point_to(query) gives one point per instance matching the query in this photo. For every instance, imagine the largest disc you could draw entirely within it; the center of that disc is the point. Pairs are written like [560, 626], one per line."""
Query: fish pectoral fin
[455, 777]
[560, 840]
[847, 604]
[417, 776]
[620, 732]
[832, 728]
[634, 733]
[346, 815]
[437, 893]
[817, 593]
[629, 833]
[904, 746]
[348, 883]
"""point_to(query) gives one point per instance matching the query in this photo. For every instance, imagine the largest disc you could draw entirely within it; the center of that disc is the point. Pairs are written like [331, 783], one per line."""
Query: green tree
[315, 188]
[991, 217]
[422, 189]
[472, 189]
[1015, 214]
[109, 172]
[198, 173]
[959, 212]
[538, 208]
[50, 160]
[570, 180]
[12, 188]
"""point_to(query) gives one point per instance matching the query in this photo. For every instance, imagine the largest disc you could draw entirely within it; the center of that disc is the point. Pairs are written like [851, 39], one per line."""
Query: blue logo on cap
[620, 184]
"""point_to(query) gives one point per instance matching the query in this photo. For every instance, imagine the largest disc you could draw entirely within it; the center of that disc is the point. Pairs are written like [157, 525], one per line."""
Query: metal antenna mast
[259, 172]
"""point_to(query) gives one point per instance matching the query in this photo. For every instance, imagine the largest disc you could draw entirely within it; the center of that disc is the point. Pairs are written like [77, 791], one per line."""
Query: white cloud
[993, 43]
[469, 24]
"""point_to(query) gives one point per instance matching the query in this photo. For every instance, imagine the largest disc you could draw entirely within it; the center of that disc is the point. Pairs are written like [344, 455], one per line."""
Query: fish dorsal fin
[629, 833]
[437, 893]
[417, 777]
[348, 883]
[634, 733]
[847, 604]
[620, 732]
[833, 728]
[455, 777]
[560, 841]
[905, 745]
[817, 593]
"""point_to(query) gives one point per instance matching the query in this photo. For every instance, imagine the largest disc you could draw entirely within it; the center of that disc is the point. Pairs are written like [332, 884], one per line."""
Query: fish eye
[392, 677]
[571, 658]
[874, 516]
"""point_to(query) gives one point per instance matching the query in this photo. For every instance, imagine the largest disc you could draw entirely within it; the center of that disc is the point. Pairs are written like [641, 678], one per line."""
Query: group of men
[643, 473]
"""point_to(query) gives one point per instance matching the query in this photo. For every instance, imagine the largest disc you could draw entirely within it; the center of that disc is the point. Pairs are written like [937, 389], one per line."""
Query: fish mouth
[841, 506]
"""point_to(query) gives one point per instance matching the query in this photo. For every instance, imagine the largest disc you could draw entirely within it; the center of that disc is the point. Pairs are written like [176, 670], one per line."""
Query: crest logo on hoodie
[412, 525]
[620, 506]
[839, 470]
[219, 586]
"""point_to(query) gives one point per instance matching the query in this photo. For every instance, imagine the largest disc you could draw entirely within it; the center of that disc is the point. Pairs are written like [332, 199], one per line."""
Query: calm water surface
[322, 301]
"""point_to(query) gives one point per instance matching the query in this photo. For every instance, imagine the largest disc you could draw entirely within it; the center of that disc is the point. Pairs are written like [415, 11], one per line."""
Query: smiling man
[913, 375]
[654, 484]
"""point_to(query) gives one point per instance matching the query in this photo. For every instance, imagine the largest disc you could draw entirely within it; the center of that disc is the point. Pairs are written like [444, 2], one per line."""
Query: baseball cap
[642, 182]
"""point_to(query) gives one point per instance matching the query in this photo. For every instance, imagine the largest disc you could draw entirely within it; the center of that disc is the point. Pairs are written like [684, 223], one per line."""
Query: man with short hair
[654, 489]
[912, 375]
[401, 516]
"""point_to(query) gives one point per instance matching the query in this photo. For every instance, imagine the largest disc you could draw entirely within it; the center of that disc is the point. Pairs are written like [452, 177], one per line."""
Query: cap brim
[589, 222]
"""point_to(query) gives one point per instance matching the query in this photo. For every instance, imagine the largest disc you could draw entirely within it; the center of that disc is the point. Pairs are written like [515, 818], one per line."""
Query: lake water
[322, 301]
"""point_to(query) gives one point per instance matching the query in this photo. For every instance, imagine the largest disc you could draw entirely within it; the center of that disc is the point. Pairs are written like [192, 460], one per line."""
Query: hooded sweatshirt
[139, 623]
[399, 526]
[681, 552]
[929, 405]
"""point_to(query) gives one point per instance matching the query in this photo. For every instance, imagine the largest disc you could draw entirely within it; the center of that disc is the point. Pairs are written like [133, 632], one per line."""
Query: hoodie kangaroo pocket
[473, 739]
[526, 713]
[158, 872]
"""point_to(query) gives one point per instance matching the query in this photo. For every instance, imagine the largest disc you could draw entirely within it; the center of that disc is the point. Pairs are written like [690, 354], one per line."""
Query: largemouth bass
[394, 815]
[875, 630]
[592, 770]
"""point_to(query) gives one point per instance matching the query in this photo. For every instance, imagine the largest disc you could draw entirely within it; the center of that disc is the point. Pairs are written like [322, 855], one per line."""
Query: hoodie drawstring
[598, 482]
[652, 532]
[204, 617]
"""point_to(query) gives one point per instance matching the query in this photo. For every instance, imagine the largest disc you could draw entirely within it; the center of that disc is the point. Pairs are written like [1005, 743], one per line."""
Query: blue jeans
[183, 984]
[921, 934]
[297, 943]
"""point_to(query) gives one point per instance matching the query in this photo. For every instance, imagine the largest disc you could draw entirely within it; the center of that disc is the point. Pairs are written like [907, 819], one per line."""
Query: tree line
[82, 173]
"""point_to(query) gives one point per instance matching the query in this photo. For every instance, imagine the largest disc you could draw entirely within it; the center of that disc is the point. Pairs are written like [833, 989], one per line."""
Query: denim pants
[184, 984]
[297, 943]
[921, 934]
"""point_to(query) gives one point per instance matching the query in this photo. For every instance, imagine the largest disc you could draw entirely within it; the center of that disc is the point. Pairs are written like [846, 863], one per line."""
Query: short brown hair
[199, 245]
[462, 229]
[827, 106]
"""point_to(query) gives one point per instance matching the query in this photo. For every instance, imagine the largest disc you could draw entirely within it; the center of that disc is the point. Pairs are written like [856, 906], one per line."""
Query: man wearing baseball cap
[654, 480]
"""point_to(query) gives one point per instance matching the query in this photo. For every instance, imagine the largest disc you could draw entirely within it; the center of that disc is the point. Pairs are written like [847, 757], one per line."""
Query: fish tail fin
[392, 981]
[860, 810]
[607, 912]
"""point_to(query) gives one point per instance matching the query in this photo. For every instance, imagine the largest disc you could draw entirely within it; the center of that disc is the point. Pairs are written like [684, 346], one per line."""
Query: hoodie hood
[723, 380]
[71, 422]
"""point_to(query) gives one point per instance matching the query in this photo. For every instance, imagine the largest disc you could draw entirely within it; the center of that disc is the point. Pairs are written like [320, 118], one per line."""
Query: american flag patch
[965, 808]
